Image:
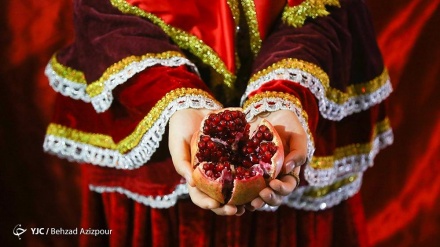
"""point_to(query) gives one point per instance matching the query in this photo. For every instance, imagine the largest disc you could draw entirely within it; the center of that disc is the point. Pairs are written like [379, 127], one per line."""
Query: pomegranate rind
[244, 190]
[207, 185]
[194, 147]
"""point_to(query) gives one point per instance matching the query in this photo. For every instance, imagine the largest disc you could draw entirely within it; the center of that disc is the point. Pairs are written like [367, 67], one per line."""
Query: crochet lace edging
[139, 155]
[328, 108]
[102, 101]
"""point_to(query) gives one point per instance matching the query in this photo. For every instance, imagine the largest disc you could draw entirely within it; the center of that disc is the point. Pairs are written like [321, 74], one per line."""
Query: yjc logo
[18, 231]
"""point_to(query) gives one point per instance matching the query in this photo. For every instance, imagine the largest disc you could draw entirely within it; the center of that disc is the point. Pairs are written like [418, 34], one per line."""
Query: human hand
[182, 126]
[294, 140]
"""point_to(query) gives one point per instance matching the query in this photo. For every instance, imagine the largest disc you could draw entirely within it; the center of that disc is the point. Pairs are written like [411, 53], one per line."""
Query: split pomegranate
[230, 165]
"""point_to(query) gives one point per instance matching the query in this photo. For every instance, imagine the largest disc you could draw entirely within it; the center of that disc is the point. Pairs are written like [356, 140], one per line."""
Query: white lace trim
[272, 104]
[66, 87]
[329, 109]
[296, 200]
[86, 153]
[299, 201]
[102, 101]
[165, 201]
[348, 165]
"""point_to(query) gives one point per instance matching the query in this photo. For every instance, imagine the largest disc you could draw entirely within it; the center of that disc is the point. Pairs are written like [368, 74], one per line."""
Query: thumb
[183, 167]
[180, 151]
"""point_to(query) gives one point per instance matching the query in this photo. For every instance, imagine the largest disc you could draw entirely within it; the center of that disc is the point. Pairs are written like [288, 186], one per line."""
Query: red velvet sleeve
[119, 82]
[327, 68]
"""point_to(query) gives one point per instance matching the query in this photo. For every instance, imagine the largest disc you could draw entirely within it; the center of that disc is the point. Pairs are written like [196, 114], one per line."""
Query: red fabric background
[401, 192]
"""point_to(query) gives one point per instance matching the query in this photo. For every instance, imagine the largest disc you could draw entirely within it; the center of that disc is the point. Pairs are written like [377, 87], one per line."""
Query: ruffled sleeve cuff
[71, 83]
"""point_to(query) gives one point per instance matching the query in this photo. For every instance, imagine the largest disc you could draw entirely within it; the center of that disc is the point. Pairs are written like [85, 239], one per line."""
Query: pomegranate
[230, 165]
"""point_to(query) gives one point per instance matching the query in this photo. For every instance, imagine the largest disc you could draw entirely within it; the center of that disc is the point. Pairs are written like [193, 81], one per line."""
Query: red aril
[230, 165]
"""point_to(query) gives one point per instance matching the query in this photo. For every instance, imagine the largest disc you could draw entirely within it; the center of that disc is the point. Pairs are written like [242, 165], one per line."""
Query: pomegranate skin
[245, 191]
[228, 187]
[213, 188]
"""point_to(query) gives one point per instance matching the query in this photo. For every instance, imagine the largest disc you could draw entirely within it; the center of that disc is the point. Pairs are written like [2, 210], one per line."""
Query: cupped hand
[182, 126]
[294, 140]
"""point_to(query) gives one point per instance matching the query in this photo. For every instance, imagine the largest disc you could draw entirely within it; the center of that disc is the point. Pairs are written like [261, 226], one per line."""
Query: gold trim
[368, 87]
[382, 127]
[296, 15]
[235, 10]
[251, 19]
[133, 139]
[272, 94]
[234, 6]
[323, 162]
[67, 72]
[183, 39]
[327, 162]
[94, 139]
[332, 94]
[97, 87]
[323, 191]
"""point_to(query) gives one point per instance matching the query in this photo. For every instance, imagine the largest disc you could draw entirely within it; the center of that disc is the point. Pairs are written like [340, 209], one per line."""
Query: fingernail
[270, 196]
[290, 165]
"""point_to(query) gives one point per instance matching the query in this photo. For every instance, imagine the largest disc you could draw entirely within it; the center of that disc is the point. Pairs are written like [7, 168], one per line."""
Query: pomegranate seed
[268, 136]
[259, 135]
[210, 144]
[247, 163]
[262, 128]
[225, 142]
[201, 144]
[219, 168]
[267, 156]
[254, 158]
[209, 173]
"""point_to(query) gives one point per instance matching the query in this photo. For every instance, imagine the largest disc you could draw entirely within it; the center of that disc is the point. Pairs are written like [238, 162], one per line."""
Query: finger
[294, 138]
[286, 184]
[240, 210]
[255, 204]
[179, 145]
[226, 210]
[201, 199]
[180, 155]
[297, 153]
[270, 197]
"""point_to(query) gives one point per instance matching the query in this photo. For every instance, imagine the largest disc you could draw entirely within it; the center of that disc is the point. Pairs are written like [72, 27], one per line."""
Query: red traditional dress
[136, 62]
